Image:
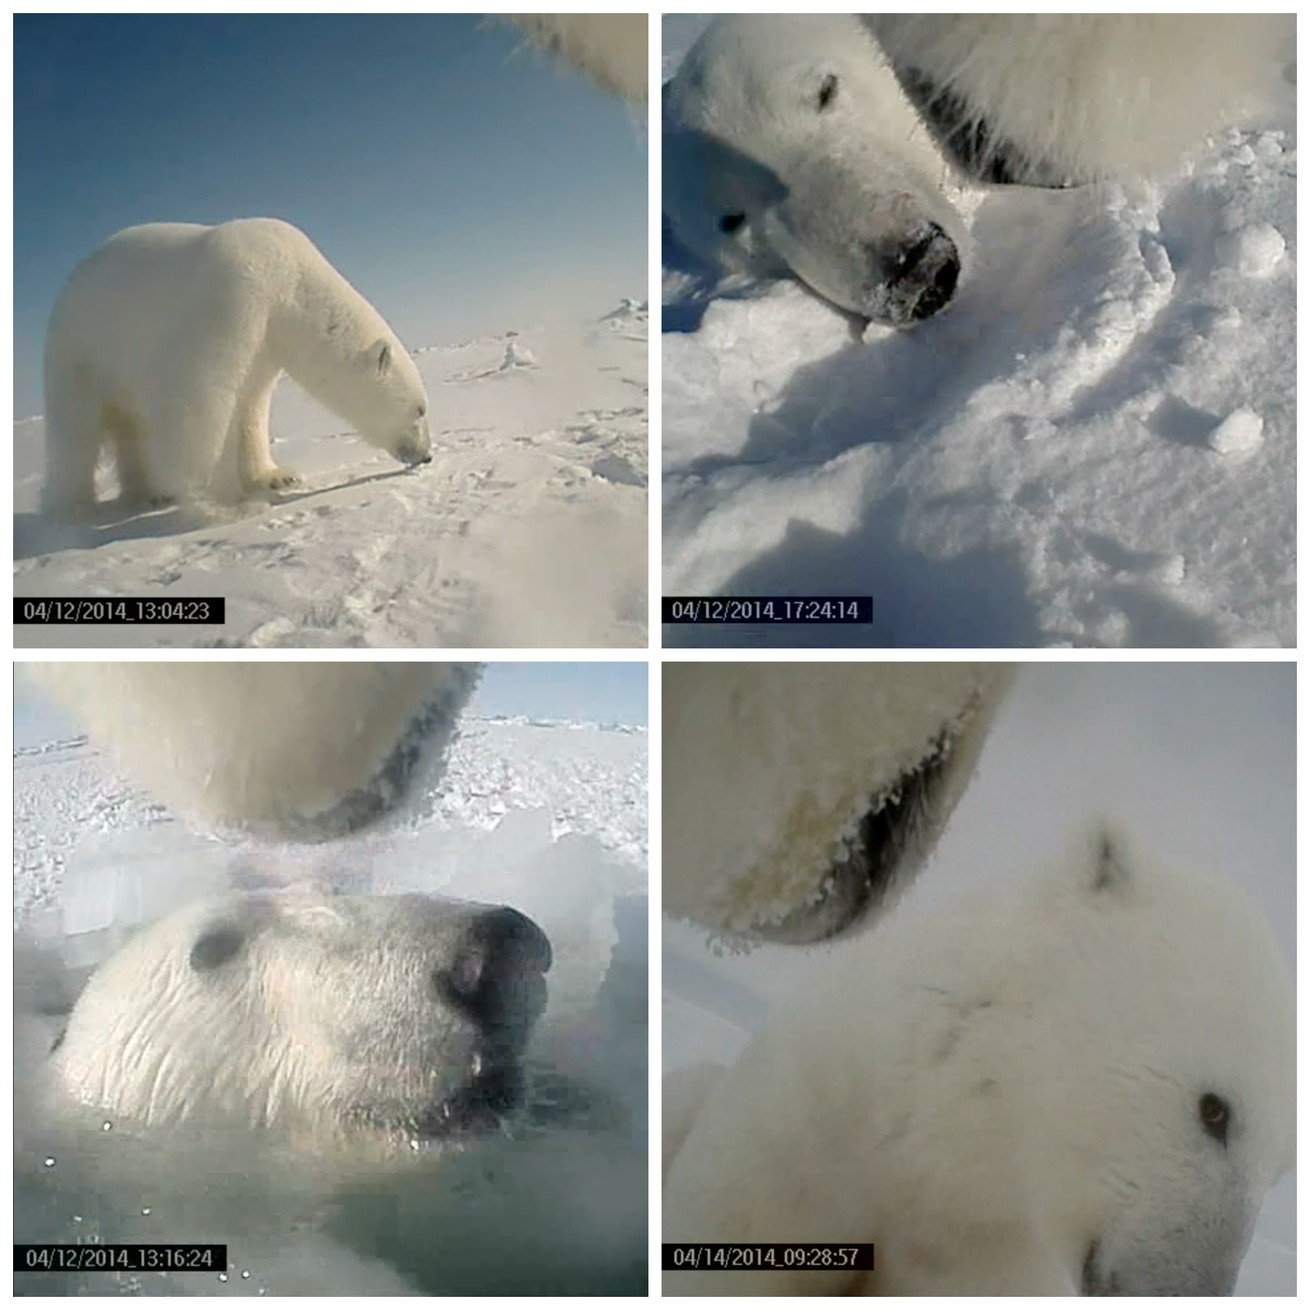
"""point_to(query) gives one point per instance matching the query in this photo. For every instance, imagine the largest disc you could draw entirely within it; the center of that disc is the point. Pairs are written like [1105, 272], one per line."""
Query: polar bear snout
[496, 977]
[415, 447]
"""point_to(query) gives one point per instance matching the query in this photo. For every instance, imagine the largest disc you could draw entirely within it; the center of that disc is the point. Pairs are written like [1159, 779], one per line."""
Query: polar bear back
[158, 290]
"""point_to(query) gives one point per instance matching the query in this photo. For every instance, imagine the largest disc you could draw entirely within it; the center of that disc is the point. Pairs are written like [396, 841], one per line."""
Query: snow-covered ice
[549, 816]
[529, 527]
[1094, 446]
[1198, 762]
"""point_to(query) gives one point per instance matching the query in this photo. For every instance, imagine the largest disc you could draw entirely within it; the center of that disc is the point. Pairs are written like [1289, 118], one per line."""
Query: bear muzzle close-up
[496, 980]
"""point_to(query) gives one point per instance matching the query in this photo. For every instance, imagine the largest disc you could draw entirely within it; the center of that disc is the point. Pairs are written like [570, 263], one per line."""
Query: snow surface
[1198, 762]
[529, 527]
[548, 816]
[1095, 446]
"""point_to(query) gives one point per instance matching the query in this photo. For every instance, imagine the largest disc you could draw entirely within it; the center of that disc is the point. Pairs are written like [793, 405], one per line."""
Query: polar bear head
[288, 752]
[790, 148]
[1076, 1081]
[396, 417]
[1115, 1036]
[397, 1018]
[1165, 1097]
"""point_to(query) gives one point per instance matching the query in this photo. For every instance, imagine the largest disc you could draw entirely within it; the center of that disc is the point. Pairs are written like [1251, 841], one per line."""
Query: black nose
[923, 275]
[940, 289]
[495, 974]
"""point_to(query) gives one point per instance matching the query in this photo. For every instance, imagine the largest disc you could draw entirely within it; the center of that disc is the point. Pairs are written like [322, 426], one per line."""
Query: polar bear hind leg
[73, 438]
[191, 435]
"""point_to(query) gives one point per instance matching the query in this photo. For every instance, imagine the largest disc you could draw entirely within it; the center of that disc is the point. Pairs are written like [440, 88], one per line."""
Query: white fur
[325, 1024]
[610, 48]
[1004, 1096]
[165, 345]
[1094, 95]
[831, 194]
[768, 769]
[838, 187]
[273, 748]
[241, 1103]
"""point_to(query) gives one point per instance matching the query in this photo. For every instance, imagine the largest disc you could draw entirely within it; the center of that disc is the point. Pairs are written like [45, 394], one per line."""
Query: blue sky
[596, 693]
[462, 184]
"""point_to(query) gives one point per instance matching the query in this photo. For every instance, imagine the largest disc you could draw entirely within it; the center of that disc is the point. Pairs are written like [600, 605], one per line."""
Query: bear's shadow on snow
[689, 285]
[977, 599]
[37, 534]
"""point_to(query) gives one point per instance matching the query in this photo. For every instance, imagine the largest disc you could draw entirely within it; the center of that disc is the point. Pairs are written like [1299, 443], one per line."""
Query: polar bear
[610, 48]
[1081, 1083]
[336, 1088]
[799, 798]
[790, 148]
[1068, 98]
[838, 148]
[166, 343]
[325, 1020]
[302, 752]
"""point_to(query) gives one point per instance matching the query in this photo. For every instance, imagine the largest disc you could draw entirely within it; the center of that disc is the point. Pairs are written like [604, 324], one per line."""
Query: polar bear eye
[827, 91]
[729, 223]
[215, 947]
[1215, 1114]
[422, 410]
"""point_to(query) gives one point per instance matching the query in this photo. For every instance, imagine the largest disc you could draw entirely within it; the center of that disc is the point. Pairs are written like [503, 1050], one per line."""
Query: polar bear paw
[273, 478]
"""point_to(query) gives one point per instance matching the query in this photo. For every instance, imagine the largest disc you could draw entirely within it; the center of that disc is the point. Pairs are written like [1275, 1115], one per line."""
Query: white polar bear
[790, 148]
[325, 1020]
[1073, 97]
[800, 797]
[1079, 1083]
[797, 798]
[610, 48]
[286, 751]
[833, 147]
[166, 343]
[328, 1086]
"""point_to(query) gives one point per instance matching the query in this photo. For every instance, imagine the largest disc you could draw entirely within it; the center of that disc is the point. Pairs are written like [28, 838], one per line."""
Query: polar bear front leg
[255, 465]
[181, 441]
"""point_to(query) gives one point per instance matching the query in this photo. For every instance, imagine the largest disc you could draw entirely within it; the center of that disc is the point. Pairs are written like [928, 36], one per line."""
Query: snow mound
[631, 317]
[516, 356]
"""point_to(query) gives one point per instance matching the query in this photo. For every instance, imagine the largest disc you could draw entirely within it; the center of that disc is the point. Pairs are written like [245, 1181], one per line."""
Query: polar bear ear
[383, 353]
[1110, 865]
